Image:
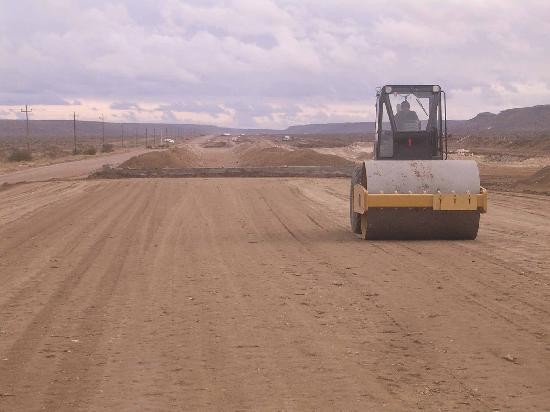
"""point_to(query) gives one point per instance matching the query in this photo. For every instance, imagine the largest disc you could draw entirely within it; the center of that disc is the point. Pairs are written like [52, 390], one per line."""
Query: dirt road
[67, 170]
[252, 294]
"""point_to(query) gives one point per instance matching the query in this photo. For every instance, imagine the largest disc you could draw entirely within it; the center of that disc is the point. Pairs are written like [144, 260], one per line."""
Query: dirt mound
[246, 146]
[277, 156]
[169, 159]
[538, 182]
[540, 178]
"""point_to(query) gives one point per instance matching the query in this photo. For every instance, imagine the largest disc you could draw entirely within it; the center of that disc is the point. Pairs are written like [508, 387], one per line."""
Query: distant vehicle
[286, 138]
[169, 141]
[226, 134]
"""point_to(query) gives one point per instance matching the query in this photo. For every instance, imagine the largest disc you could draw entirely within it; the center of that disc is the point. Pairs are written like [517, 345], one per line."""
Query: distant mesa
[526, 120]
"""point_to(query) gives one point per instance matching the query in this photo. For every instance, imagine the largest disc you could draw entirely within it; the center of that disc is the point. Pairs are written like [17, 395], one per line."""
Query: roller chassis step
[363, 200]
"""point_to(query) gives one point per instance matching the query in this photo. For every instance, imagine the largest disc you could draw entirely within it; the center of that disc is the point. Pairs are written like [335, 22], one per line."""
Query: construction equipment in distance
[410, 190]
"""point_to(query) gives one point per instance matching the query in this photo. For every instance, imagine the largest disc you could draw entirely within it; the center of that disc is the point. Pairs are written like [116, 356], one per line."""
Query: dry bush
[214, 144]
[54, 152]
[90, 151]
[107, 148]
[20, 155]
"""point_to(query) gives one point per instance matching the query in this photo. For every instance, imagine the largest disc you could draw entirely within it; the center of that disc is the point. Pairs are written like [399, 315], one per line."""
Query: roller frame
[363, 200]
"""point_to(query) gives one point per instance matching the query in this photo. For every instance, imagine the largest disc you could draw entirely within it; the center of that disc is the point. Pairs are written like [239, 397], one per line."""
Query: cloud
[124, 106]
[268, 62]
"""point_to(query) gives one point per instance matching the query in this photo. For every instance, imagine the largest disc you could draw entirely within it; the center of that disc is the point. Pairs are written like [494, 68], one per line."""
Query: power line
[102, 118]
[27, 111]
[74, 132]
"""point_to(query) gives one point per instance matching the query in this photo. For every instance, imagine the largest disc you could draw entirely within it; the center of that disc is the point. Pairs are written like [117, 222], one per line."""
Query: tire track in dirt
[31, 339]
[108, 264]
[411, 344]
[310, 306]
[68, 225]
[252, 294]
[470, 284]
[150, 366]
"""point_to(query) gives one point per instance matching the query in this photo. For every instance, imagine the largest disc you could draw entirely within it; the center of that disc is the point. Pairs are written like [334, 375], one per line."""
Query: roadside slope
[68, 170]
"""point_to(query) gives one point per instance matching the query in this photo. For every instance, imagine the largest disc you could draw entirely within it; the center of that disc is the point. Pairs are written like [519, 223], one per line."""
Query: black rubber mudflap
[408, 224]
[359, 176]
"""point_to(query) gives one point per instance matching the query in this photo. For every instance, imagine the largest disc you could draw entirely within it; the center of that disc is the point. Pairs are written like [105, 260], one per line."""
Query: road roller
[411, 190]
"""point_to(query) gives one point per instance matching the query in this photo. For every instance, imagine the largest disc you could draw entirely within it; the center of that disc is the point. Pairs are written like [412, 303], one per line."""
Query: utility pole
[102, 117]
[27, 111]
[154, 137]
[146, 131]
[122, 133]
[136, 136]
[74, 132]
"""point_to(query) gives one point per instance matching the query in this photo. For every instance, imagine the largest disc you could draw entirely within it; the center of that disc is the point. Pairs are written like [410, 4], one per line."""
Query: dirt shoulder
[66, 170]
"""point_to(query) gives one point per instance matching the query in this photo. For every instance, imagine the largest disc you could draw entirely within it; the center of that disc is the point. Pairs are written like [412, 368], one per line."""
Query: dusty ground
[46, 154]
[67, 170]
[176, 157]
[253, 294]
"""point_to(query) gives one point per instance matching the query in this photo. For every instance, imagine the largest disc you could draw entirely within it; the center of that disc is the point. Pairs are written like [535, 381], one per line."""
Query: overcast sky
[266, 63]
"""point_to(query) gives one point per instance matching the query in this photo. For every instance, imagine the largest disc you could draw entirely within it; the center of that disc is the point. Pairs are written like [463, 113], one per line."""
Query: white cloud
[268, 62]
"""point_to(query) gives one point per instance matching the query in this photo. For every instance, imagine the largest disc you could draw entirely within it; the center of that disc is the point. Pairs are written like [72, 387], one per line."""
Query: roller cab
[410, 190]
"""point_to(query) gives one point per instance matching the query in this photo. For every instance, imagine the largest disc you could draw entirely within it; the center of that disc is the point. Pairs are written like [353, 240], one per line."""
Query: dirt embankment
[278, 156]
[515, 179]
[257, 154]
[179, 157]
[503, 147]
[536, 183]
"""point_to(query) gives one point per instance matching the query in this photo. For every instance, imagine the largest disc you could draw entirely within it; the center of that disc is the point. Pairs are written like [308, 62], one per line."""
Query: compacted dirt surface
[241, 293]
[67, 170]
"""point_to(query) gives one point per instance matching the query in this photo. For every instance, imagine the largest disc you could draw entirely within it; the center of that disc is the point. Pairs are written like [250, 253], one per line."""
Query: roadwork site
[252, 293]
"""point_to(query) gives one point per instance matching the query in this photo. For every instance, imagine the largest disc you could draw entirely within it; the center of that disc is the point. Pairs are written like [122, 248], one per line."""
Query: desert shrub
[90, 151]
[54, 152]
[107, 148]
[20, 155]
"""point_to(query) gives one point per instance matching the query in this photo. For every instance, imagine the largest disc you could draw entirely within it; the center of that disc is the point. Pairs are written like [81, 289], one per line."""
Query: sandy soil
[74, 169]
[59, 154]
[252, 294]
[355, 152]
[242, 293]
[177, 157]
